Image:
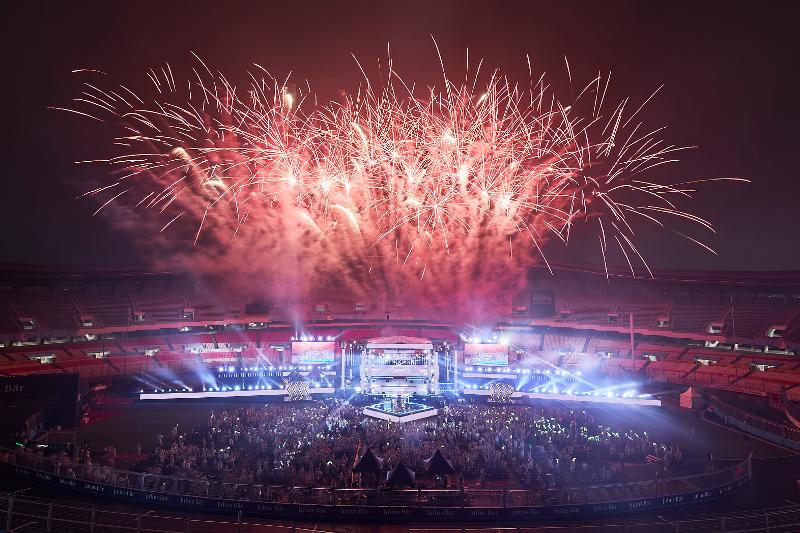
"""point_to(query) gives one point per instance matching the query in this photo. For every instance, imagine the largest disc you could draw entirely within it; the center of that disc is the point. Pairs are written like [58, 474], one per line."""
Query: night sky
[729, 70]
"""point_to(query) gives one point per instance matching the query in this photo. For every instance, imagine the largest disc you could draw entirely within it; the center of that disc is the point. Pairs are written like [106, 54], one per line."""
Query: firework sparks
[444, 197]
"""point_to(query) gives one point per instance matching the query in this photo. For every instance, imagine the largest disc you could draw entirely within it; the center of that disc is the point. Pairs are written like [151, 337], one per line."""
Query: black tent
[400, 476]
[369, 462]
[437, 465]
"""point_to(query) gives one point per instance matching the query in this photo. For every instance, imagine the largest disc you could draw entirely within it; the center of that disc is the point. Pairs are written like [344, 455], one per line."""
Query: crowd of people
[319, 443]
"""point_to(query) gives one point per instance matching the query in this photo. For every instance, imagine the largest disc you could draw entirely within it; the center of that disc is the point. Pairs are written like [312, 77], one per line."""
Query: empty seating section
[133, 364]
[7, 316]
[740, 377]
[81, 366]
[161, 306]
[732, 372]
[237, 337]
[618, 348]
[587, 308]
[668, 370]
[26, 368]
[141, 344]
[720, 356]
[765, 359]
[21, 353]
[695, 315]
[663, 351]
[88, 348]
[186, 342]
[789, 378]
[758, 384]
[109, 308]
[750, 318]
[645, 310]
[337, 308]
[165, 358]
[52, 309]
[742, 317]
[717, 375]
[670, 366]
[206, 306]
[267, 336]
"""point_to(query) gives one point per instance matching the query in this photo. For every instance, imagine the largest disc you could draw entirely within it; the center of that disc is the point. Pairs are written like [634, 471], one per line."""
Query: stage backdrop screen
[313, 353]
[486, 354]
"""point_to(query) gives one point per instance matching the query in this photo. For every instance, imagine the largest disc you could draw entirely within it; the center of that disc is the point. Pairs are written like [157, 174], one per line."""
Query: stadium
[158, 361]
[262, 271]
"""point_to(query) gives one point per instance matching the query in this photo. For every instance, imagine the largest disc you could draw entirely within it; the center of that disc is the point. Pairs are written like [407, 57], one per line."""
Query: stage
[407, 412]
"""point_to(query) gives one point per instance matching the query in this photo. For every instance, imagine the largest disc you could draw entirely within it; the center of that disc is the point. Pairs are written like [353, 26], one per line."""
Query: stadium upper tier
[757, 308]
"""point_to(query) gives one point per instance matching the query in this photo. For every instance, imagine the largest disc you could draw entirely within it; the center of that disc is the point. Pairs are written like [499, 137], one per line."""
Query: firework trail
[440, 199]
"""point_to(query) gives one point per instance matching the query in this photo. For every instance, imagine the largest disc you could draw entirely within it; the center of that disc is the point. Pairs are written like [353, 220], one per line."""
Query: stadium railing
[781, 434]
[24, 513]
[792, 411]
[467, 497]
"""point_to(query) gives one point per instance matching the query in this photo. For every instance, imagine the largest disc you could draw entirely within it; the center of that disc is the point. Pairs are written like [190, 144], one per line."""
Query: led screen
[486, 354]
[310, 353]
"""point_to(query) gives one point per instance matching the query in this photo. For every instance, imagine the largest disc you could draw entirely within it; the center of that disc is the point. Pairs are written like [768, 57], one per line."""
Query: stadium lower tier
[461, 359]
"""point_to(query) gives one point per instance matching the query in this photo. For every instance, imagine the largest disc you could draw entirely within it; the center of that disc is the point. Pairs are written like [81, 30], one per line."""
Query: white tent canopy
[691, 399]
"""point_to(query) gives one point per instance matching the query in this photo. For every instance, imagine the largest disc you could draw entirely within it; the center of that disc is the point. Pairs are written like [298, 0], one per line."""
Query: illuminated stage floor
[409, 412]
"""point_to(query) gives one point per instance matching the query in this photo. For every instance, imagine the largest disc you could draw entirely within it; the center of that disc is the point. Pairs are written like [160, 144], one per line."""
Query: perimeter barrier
[769, 430]
[792, 411]
[19, 513]
[375, 504]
